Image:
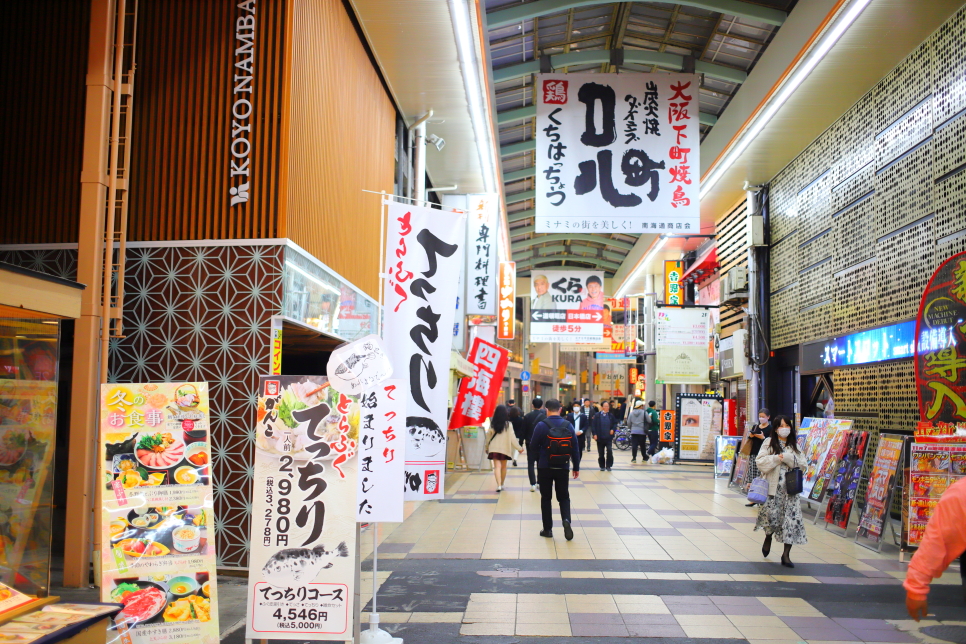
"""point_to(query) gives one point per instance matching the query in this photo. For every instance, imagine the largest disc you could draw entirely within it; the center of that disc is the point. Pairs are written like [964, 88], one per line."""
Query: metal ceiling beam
[563, 237]
[516, 175]
[520, 215]
[530, 10]
[521, 196]
[524, 255]
[575, 249]
[519, 113]
[595, 261]
[665, 60]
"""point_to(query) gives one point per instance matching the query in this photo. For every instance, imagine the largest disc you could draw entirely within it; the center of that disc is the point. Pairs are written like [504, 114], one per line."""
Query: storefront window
[28, 421]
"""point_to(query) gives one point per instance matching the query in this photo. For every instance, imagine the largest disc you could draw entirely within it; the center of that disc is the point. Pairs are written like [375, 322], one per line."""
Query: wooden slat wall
[43, 65]
[732, 251]
[341, 142]
[182, 122]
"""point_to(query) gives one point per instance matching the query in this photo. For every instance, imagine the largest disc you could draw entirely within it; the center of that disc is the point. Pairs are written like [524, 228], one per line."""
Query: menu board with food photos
[933, 467]
[157, 524]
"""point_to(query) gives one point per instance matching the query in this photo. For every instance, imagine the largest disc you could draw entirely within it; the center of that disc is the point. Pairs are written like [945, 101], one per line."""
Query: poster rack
[887, 520]
[678, 422]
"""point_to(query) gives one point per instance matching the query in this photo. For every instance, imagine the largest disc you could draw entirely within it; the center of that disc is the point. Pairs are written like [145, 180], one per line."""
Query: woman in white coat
[501, 443]
[781, 516]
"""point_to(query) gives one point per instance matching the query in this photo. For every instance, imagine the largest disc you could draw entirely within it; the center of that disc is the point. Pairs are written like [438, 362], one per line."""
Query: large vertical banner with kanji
[477, 396]
[302, 562]
[617, 153]
[424, 253]
[481, 262]
[941, 344]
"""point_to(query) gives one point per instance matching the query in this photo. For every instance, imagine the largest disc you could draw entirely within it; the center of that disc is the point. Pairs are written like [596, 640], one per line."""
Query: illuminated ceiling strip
[656, 245]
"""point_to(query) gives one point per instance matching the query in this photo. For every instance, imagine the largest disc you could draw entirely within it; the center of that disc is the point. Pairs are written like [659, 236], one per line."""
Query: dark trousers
[580, 442]
[532, 456]
[652, 439]
[605, 445]
[638, 440]
[550, 479]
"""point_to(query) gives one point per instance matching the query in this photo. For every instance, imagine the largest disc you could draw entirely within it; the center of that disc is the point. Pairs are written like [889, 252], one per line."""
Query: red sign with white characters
[477, 396]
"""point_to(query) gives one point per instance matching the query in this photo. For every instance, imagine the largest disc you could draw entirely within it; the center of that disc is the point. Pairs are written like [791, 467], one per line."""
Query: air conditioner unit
[739, 279]
[740, 350]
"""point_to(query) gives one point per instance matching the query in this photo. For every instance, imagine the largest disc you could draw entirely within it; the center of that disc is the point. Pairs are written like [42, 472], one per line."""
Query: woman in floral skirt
[781, 516]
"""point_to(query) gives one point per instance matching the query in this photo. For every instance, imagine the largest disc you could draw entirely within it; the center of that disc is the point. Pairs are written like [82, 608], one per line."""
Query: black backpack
[561, 444]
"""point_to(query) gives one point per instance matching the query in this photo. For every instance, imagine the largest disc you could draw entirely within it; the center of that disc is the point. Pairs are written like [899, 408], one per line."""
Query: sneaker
[568, 531]
[601, 469]
[547, 533]
[633, 460]
[533, 488]
[499, 489]
[608, 469]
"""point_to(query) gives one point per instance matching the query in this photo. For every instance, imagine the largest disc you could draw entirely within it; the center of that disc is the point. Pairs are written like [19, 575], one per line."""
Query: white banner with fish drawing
[301, 561]
[424, 253]
[382, 452]
[358, 365]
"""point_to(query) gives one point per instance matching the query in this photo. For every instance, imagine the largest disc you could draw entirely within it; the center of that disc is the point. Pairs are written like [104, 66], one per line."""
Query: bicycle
[622, 437]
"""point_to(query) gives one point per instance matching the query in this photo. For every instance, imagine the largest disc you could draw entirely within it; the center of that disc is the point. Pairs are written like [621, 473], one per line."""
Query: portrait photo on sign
[567, 289]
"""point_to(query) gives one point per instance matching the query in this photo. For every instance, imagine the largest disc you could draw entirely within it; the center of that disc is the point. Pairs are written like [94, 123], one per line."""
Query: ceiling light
[781, 97]
[641, 266]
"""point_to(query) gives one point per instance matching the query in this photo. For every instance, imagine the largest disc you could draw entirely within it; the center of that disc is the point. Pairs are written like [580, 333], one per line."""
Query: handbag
[745, 446]
[758, 492]
[794, 481]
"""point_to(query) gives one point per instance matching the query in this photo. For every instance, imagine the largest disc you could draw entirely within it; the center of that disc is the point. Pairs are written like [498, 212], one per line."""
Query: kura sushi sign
[301, 572]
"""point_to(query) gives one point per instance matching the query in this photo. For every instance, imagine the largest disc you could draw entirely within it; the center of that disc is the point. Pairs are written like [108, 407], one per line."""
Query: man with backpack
[529, 422]
[555, 443]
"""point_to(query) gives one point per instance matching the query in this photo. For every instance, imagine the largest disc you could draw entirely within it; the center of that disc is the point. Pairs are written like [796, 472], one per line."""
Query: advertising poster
[941, 344]
[506, 325]
[845, 482]
[302, 565]
[931, 473]
[382, 452]
[724, 453]
[821, 438]
[424, 254]
[682, 346]
[700, 423]
[157, 523]
[741, 470]
[837, 450]
[881, 481]
[567, 306]
[477, 396]
[618, 153]
[481, 262]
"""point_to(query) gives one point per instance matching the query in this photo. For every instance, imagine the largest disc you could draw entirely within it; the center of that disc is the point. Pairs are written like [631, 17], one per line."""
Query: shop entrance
[305, 350]
[817, 394]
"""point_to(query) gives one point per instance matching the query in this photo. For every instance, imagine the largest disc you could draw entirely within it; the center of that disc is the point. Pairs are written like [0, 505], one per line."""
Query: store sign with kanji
[667, 426]
[477, 396]
[505, 328]
[673, 290]
[481, 263]
[941, 344]
[568, 306]
[617, 153]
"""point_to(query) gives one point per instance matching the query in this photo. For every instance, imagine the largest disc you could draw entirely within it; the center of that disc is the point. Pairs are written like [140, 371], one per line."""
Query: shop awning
[461, 365]
[31, 294]
[703, 268]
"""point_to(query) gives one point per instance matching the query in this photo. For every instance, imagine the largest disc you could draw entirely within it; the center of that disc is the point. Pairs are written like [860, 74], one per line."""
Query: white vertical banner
[617, 153]
[481, 262]
[382, 452]
[424, 252]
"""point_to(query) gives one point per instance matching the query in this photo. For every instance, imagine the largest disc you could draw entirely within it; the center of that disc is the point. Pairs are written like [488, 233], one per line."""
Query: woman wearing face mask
[781, 516]
[758, 434]
[574, 417]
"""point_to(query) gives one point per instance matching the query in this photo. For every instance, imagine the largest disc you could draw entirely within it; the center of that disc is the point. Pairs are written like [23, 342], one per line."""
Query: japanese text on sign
[382, 452]
[481, 262]
[477, 395]
[506, 326]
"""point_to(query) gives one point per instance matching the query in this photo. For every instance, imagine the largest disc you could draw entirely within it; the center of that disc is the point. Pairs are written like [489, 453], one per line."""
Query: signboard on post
[481, 264]
[878, 494]
[477, 396]
[302, 561]
[424, 252]
[700, 424]
[157, 515]
[617, 153]
[673, 293]
[667, 426]
[567, 306]
[507, 299]
[682, 346]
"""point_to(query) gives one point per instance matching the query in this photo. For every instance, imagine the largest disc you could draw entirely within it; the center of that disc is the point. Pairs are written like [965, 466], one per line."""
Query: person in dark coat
[519, 428]
[587, 413]
[603, 426]
[529, 422]
[554, 477]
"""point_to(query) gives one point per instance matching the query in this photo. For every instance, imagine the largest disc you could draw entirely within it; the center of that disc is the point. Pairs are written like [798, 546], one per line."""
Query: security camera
[435, 140]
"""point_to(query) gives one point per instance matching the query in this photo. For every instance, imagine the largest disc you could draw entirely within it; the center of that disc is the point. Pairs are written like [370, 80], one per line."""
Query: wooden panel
[341, 140]
[43, 49]
[182, 122]
[732, 251]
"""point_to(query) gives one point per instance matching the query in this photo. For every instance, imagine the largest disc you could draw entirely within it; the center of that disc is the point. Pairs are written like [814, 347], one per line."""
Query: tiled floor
[661, 554]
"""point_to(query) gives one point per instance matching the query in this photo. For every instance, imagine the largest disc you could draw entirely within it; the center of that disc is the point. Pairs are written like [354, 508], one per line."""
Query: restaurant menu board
[157, 524]
[818, 444]
[724, 453]
[50, 620]
[933, 468]
[302, 560]
[845, 480]
[881, 481]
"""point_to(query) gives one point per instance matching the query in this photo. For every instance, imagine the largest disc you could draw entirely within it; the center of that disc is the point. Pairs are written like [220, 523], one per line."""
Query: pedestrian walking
[555, 442]
[529, 422]
[945, 538]
[603, 426]
[757, 435]
[575, 418]
[781, 516]
[519, 428]
[587, 413]
[653, 433]
[501, 443]
[639, 421]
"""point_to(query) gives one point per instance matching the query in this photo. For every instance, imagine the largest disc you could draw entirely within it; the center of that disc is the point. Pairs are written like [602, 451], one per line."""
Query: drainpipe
[417, 134]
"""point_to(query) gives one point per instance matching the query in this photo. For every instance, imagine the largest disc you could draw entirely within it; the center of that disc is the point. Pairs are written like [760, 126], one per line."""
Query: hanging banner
[382, 452]
[506, 326]
[941, 344]
[673, 293]
[879, 490]
[700, 423]
[845, 484]
[617, 153]
[477, 396]
[567, 306]
[667, 426]
[481, 263]
[301, 563]
[682, 346]
[157, 520]
[424, 251]
[933, 467]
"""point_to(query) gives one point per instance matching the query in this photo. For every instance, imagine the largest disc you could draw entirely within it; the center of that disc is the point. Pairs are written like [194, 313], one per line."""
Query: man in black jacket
[588, 411]
[603, 426]
[529, 422]
[554, 477]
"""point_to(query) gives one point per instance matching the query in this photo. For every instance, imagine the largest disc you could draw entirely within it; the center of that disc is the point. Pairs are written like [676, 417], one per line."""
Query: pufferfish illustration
[300, 565]
[355, 359]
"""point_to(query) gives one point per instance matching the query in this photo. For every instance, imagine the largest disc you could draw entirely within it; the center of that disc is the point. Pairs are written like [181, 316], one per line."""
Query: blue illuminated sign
[892, 342]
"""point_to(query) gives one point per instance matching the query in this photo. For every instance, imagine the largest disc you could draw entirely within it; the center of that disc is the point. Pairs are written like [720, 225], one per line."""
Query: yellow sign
[276, 351]
[583, 376]
[562, 372]
[535, 365]
[673, 289]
